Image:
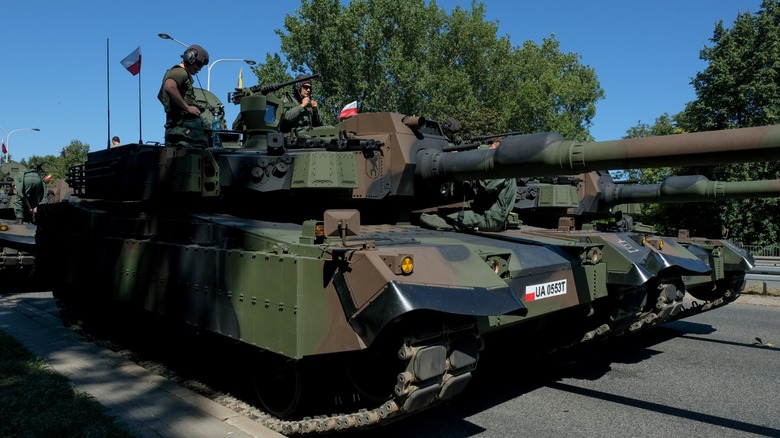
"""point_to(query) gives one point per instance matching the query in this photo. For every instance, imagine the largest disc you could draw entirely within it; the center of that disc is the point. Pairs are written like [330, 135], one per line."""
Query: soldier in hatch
[489, 210]
[301, 111]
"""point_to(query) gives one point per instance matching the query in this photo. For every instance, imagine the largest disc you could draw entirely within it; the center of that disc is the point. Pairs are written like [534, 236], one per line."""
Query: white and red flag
[349, 110]
[133, 61]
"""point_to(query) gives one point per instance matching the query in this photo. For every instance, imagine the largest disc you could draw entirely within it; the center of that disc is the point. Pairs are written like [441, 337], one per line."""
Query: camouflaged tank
[306, 248]
[17, 240]
[593, 206]
[729, 261]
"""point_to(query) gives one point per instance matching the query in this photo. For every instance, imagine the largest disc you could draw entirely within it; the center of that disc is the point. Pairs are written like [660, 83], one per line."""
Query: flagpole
[132, 63]
[108, 99]
[140, 136]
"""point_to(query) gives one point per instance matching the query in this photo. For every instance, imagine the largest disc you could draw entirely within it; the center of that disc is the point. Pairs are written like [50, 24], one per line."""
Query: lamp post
[8, 138]
[208, 76]
[165, 36]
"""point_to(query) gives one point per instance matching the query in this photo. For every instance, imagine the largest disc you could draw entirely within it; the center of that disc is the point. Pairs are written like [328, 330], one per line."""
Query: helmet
[195, 54]
[300, 85]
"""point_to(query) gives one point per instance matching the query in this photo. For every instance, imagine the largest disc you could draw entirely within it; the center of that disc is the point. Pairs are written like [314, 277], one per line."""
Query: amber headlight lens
[407, 265]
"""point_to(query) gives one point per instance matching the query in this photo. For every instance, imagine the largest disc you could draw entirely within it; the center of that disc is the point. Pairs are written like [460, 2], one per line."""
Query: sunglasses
[307, 87]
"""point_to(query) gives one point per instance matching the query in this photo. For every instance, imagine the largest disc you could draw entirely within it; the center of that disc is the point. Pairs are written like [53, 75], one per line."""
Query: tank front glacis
[304, 246]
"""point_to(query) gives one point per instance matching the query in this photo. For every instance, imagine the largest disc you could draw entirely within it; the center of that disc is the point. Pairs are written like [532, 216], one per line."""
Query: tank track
[669, 307]
[436, 366]
[13, 259]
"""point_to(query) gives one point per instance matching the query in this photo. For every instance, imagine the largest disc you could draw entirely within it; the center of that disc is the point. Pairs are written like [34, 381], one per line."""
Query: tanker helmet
[300, 85]
[195, 54]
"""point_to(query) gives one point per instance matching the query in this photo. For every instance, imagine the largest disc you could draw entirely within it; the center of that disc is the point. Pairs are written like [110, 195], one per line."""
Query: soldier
[300, 109]
[183, 124]
[115, 142]
[489, 210]
[29, 190]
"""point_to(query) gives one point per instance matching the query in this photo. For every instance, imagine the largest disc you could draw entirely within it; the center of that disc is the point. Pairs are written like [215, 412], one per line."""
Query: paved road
[706, 376]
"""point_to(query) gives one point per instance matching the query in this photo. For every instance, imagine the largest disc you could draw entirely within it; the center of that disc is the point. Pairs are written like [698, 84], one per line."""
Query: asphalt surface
[150, 405]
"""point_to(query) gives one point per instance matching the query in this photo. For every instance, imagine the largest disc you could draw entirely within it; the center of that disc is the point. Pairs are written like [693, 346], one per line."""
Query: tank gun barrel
[546, 154]
[689, 188]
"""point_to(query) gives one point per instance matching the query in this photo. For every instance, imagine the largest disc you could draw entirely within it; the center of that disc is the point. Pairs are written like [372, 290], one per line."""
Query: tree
[413, 58]
[739, 88]
[664, 125]
[72, 155]
[272, 71]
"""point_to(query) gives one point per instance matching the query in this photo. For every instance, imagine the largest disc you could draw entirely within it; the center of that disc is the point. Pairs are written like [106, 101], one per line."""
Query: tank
[595, 195]
[304, 249]
[584, 199]
[17, 240]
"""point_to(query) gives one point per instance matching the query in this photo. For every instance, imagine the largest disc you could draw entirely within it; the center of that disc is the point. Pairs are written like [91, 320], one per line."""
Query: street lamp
[8, 138]
[165, 36]
[208, 76]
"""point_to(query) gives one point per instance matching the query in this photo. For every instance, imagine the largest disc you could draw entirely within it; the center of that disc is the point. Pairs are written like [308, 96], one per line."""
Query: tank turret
[595, 195]
[305, 247]
[598, 192]
[388, 158]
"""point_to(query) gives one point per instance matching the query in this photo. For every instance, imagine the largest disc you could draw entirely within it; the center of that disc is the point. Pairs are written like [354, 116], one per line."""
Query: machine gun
[481, 138]
[241, 93]
[475, 142]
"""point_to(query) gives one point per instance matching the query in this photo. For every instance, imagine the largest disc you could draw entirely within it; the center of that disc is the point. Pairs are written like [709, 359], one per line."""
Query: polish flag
[48, 178]
[348, 111]
[133, 61]
[5, 150]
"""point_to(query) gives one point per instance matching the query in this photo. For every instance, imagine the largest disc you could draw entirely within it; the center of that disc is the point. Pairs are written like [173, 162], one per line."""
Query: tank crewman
[489, 210]
[452, 130]
[300, 109]
[29, 190]
[183, 124]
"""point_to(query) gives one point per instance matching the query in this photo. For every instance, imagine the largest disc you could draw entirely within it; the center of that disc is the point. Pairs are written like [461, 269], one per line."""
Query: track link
[436, 367]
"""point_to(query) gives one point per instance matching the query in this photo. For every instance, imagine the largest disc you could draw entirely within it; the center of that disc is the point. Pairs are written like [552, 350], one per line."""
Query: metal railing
[763, 250]
[767, 261]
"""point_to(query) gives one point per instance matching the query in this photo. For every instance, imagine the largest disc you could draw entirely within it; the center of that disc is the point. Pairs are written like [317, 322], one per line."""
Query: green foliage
[739, 88]
[414, 58]
[272, 71]
[664, 125]
[72, 155]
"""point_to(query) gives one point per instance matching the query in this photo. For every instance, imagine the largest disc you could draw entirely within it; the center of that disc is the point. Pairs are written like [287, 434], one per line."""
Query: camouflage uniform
[294, 116]
[493, 201]
[29, 191]
[182, 129]
[490, 208]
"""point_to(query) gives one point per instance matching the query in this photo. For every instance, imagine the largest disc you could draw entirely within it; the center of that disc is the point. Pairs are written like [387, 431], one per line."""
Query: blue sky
[53, 74]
